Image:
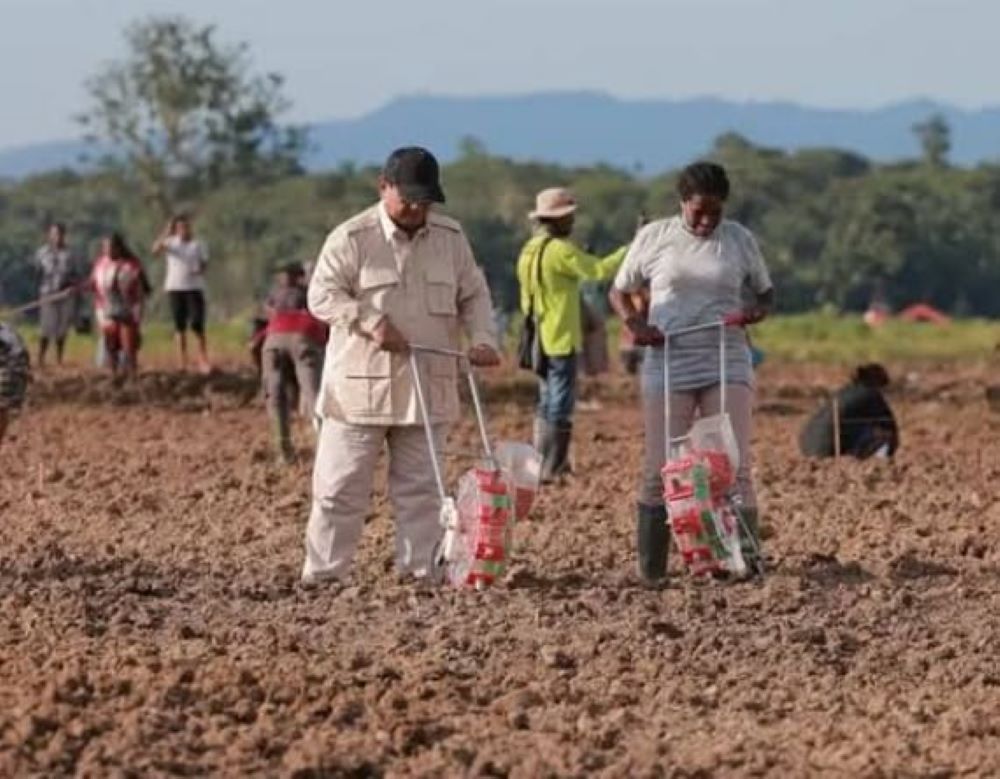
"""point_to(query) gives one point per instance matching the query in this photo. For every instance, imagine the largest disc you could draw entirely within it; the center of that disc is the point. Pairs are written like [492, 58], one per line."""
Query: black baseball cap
[416, 173]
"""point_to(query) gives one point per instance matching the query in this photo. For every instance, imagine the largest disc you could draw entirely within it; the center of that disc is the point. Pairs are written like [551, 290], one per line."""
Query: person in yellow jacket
[549, 272]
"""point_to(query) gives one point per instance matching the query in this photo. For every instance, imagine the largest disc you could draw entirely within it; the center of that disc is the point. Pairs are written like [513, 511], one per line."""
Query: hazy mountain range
[580, 128]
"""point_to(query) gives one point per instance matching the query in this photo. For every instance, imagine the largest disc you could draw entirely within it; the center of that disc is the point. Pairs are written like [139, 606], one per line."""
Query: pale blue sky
[345, 57]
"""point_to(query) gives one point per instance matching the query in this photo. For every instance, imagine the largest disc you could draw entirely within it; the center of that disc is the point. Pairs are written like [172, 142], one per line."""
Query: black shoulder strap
[538, 271]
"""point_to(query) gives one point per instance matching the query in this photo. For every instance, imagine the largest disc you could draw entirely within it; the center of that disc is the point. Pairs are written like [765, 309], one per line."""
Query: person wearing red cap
[398, 273]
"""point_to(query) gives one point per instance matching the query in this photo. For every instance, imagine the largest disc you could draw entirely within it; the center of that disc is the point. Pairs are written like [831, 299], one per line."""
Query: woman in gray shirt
[699, 267]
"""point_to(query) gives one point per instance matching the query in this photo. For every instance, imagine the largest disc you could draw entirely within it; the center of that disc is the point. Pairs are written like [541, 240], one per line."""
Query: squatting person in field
[864, 420]
[291, 355]
[549, 271]
[14, 375]
[699, 267]
[397, 273]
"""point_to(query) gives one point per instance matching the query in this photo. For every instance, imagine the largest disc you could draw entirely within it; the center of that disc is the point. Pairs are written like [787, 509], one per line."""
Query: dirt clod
[151, 620]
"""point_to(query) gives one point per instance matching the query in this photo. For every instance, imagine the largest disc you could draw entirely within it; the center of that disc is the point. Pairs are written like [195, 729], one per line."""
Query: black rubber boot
[283, 439]
[555, 453]
[750, 540]
[538, 432]
[652, 543]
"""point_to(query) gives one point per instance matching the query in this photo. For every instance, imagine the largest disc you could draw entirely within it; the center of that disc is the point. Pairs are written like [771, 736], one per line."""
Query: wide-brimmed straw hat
[553, 203]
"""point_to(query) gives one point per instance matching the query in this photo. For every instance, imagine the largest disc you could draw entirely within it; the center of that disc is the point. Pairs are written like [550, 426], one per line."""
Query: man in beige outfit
[395, 274]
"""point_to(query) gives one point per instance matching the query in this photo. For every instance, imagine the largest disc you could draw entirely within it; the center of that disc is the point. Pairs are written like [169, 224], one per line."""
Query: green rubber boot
[652, 544]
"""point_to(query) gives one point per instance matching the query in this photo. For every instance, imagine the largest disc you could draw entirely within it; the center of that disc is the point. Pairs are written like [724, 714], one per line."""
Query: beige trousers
[346, 456]
[685, 407]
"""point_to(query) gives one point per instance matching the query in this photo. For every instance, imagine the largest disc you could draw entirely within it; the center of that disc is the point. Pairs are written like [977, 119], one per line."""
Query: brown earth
[151, 622]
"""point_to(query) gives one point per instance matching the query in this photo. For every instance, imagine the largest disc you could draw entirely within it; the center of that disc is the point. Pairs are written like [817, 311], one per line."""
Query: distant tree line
[194, 128]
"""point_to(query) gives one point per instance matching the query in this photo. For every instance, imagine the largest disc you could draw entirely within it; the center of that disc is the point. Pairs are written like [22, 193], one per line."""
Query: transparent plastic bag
[485, 525]
[522, 468]
[703, 521]
[715, 434]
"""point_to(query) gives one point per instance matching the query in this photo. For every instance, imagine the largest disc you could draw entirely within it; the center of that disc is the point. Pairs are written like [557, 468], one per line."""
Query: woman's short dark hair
[703, 178]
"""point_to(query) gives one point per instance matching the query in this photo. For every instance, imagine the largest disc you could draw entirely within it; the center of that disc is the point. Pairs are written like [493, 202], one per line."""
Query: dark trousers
[557, 391]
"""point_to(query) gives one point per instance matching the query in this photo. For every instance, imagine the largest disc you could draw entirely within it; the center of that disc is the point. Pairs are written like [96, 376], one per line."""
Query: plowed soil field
[151, 622]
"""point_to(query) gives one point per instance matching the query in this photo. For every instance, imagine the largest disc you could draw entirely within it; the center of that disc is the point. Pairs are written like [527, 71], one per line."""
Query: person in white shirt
[186, 260]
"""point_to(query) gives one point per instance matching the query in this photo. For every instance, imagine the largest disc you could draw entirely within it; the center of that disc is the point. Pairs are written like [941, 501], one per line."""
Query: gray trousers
[286, 356]
[55, 318]
[342, 486]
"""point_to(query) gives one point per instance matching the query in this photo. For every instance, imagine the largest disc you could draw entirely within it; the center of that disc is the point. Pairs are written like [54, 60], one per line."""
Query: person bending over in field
[291, 355]
[866, 423]
[14, 375]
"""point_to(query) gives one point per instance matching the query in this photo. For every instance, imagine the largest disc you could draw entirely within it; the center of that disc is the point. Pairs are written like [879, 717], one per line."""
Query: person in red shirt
[118, 283]
[292, 354]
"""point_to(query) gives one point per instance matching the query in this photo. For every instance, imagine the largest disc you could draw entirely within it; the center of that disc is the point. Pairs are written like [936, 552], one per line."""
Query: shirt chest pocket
[441, 289]
[378, 287]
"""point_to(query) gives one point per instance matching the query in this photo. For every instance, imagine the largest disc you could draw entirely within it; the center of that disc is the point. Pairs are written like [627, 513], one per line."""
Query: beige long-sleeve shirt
[429, 287]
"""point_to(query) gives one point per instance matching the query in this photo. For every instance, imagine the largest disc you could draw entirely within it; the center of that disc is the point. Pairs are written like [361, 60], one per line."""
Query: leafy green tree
[183, 112]
[832, 226]
[934, 135]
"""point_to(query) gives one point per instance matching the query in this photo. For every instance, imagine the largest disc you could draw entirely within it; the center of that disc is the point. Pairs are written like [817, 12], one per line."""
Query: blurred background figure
[594, 358]
[14, 375]
[291, 355]
[120, 289]
[255, 343]
[878, 312]
[866, 423]
[501, 320]
[59, 273]
[184, 284]
[549, 271]
[630, 352]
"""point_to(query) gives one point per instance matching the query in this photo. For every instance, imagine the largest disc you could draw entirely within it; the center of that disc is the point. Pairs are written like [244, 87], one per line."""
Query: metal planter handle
[721, 326]
[466, 365]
